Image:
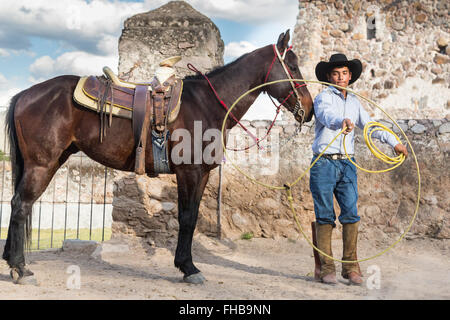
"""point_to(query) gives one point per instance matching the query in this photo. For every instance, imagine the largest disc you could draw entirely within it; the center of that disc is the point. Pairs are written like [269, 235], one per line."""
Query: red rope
[270, 68]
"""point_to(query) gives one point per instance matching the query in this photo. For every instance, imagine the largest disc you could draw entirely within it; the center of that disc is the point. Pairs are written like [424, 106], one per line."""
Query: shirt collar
[336, 91]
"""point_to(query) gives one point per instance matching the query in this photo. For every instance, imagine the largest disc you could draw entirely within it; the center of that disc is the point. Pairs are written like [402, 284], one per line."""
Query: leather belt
[334, 156]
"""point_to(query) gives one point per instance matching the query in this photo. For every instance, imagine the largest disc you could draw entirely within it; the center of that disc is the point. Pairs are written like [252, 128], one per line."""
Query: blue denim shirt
[331, 108]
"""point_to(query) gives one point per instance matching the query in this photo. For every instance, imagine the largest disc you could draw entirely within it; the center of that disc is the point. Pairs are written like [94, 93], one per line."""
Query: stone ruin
[403, 46]
[173, 29]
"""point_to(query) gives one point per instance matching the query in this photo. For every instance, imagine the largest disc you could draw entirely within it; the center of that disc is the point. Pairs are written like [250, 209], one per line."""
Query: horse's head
[294, 95]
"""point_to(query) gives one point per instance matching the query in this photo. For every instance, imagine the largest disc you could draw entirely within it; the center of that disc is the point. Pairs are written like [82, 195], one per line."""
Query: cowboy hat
[338, 60]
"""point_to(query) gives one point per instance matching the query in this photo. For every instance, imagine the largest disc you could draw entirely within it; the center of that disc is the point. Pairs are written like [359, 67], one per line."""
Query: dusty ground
[242, 269]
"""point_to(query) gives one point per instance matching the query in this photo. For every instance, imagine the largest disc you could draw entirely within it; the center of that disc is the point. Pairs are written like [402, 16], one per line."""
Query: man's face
[340, 76]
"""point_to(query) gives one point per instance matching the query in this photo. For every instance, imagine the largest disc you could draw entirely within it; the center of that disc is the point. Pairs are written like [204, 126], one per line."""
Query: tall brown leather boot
[327, 267]
[351, 271]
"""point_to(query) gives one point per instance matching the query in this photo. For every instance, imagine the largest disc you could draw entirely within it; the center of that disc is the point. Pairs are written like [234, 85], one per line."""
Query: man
[334, 174]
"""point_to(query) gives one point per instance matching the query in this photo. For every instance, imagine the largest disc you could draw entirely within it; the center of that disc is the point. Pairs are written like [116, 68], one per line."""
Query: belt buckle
[334, 156]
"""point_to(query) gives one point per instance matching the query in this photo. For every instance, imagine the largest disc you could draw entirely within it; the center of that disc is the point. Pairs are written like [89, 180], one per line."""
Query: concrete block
[2, 245]
[80, 246]
[110, 248]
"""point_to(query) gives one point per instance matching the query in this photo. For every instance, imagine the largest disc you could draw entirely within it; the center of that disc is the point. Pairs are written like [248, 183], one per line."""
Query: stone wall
[173, 29]
[403, 46]
[148, 207]
[404, 49]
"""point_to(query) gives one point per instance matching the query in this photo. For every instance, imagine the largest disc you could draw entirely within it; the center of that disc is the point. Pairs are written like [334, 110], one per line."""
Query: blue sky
[40, 39]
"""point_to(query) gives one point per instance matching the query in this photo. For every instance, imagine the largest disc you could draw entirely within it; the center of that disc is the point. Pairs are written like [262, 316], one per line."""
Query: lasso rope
[396, 161]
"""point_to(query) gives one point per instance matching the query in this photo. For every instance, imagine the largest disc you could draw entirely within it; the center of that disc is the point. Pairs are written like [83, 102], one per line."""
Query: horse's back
[42, 96]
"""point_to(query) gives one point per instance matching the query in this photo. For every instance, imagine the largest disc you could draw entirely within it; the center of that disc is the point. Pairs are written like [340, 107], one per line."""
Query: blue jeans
[338, 177]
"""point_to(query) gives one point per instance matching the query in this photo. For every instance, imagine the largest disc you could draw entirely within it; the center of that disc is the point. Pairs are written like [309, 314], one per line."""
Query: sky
[41, 39]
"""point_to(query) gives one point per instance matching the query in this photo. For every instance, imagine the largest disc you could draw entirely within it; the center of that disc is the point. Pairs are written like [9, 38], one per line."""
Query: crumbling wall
[173, 29]
[148, 207]
[403, 47]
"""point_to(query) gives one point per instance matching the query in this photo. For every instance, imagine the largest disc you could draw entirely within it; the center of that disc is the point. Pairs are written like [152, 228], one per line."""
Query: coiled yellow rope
[396, 161]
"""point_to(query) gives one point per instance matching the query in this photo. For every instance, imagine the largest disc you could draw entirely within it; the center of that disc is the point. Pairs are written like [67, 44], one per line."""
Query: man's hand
[401, 149]
[348, 124]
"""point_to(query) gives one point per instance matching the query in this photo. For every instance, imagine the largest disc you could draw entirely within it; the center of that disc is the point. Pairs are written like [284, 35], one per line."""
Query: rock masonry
[148, 207]
[173, 29]
[403, 46]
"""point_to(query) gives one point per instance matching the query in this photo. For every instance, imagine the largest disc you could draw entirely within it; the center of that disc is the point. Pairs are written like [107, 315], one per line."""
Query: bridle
[298, 109]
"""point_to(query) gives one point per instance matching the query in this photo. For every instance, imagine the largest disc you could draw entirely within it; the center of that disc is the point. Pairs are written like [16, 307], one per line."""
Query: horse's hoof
[15, 274]
[196, 278]
[24, 277]
[29, 280]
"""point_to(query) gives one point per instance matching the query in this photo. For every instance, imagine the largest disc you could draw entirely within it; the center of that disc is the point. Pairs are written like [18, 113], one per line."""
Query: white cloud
[11, 52]
[109, 44]
[75, 62]
[6, 95]
[78, 23]
[6, 91]
[84, 24]
[237, 49]
[268, 17]
[251, 11]
[43, 65]
[4, 53]
[3, 80]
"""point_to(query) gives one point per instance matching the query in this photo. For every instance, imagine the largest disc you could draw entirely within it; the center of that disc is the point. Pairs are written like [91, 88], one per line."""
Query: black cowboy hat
[338, 60]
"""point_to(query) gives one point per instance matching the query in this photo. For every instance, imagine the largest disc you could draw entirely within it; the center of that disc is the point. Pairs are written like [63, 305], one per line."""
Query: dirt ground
[242, 269]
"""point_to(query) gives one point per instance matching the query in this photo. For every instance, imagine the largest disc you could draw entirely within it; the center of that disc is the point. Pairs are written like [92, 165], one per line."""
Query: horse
[45, 126]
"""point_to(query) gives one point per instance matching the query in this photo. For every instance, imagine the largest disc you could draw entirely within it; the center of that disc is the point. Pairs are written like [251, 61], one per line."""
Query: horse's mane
[216, 71]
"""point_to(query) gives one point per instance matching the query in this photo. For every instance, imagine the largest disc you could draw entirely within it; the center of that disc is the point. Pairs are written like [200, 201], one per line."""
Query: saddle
[150, 106]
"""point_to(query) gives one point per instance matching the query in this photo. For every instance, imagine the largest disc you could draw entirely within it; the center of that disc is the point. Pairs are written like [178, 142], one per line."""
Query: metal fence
[77, 203]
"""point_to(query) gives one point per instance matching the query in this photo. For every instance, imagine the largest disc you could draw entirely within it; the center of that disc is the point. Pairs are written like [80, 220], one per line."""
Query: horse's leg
[33, 183]
[15, 241]
[191, 184]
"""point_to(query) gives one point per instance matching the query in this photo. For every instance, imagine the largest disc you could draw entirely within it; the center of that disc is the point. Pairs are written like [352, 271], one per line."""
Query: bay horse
[45, 126]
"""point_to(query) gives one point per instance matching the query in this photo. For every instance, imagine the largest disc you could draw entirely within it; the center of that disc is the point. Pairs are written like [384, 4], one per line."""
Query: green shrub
[247, 235]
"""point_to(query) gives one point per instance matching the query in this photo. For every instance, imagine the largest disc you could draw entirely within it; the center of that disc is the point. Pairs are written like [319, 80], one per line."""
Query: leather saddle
[150, 106]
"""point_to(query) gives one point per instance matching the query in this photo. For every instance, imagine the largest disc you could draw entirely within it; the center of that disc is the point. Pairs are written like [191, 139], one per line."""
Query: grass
[46, 240]
[3, 156]
[247, 235]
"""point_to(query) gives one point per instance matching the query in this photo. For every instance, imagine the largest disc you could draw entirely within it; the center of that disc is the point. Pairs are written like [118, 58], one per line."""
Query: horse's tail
[17, 165]
[16, 158]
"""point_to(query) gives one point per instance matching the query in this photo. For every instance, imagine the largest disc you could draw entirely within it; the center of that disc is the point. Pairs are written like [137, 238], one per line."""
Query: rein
[297, 109]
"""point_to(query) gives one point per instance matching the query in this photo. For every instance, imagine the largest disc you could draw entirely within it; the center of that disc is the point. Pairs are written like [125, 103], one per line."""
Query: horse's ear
[283, 40]
[280, 40]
